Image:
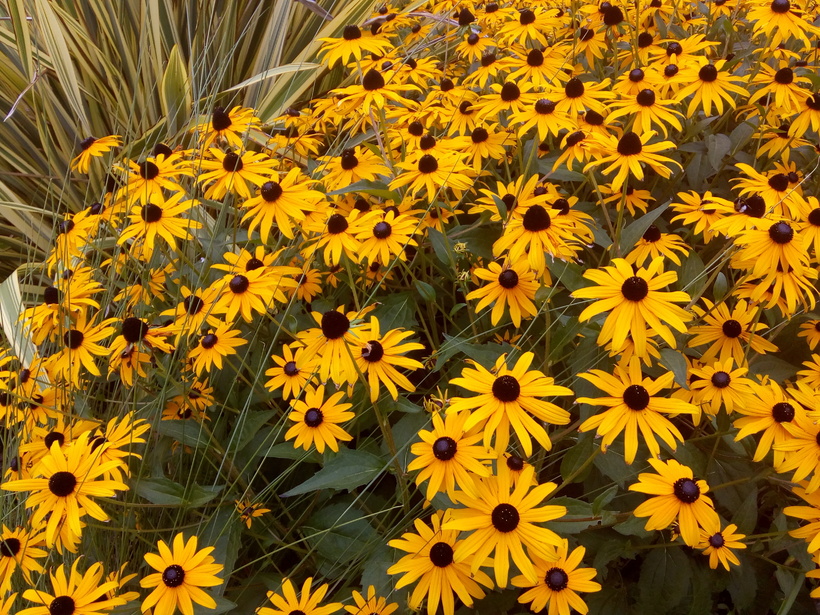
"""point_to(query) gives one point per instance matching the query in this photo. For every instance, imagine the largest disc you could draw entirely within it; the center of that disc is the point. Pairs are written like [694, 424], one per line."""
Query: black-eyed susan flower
[113, 441]
[728, 331]
[634, 406]
[335, 238]
[244, 294]
[232, 171]
[676, 495]
[353, 165]
[20, 548]
[430, 561]
[578, 96]
[448, 456]
[333, 343]
[231, 126]
[544, 116]
[634, 301]
[718, 385]
[248, 511]
[811, 331]
[559, 582]
[509, 288]
[767, 410]
[309, 602]
[372, 604]
[701, 212]
[801, 451]
[351, 46]
[159, 217]
[530, 25]
[80, 346]
[510, 397]
[710, 84]
[373, 94]
[316, 420]
[182, 572]
[195, 310]
[432, 173]
[64, 483]
[811, 513]
[779, 21]
[293, 370]
[146, 180]
[485, 143]
[75, 593]
[384, 236]
[281, 202]
[214, 346]
[646, 110]
[627, 155]
[506, 520]
[93, 148]
[777, 245]
[718, 546]
[654, 243]
[378, 355]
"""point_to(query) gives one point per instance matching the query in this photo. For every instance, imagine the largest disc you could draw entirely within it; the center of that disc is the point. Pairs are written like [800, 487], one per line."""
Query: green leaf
[175, 91]
[366, 186]
[406, 433]
[427, 292]
[339, 533]
[768, 365]
[665, 579]
[223, 532]
[286, 450]
[632, 233]
[165, 492]
[485, 354]
[375, 570]
[20, 24]
[441, 246]
[396, 310]
[717, 146]
[187, 432]
[249, 424]
[348, 469]
[675, 362]
[274, 72]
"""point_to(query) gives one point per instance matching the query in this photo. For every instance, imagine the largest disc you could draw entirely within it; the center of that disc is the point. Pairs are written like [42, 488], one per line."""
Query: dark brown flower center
[239, 284]
[336, 224]
[9, 547]
[708, 73]
[508, 279]
[193, 304]
[334, 324]
[510, 92]
[209, 341]
[314, 417]
[445, 448]
[716, 540]
[351, 33]
[515, 463]
[134, 329]
[721, 380]
[148, 170]
[373, 351]
[271, 191]
[505, 518]
[630, 145]
[441, 554]
[428, 164]
[479, 135]
[781, 6]
[73, 339]
[686, 490]
[731, 328]
[636, 397]
[783, 412]
[536, 219]
[62, 484]
[51, 295]
[556, 579]
[574, 88]
[635, 288]
[349, 160]
[173, 576]
[636, 75]
[220, 119]
[61, 605]
[373, 80]
[232, 162]
[382, 230]
[652, 234]
[506, 388]
[781, 233]
[646, 98]
[151, 213]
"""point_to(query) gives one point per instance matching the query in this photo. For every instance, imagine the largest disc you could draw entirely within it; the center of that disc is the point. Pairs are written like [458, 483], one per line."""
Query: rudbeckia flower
[505, 517]
[146, 180]
[511, 287]
[711, 85]
[559, 582]
[718, 546]
[634, 405]
[159, 217]
[231, 172]
[80, 346]
[811, 513]
[432, 174]
[308, 603]
[430, 561]
[93, 148]
[728, 331]
[20, 548]
[510, 397]
[316, 420]
[76, 593]
[378, 356]
[634, 301]
[371, 605]
[182, 571]
[231, 126]
[676, 495]
[719, 385]
[627, 154]
[249, 511]
[351, 46]
[213, 346]
[768, 409]
[293, 370]
[64, 485]
[448, 455]
[334, 341]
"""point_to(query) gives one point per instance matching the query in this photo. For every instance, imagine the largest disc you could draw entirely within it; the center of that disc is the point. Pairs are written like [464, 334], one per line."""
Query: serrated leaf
[348, 469]
[665, 579]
